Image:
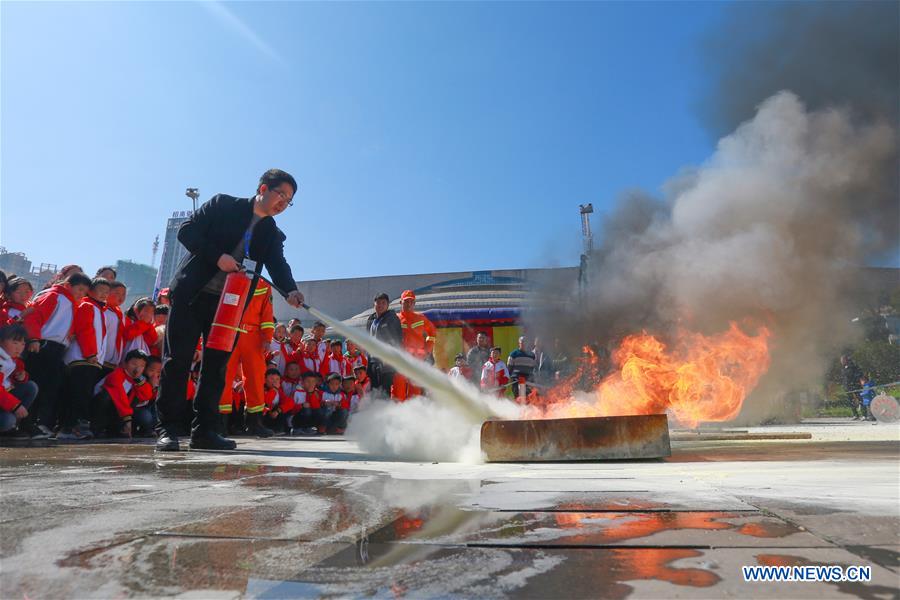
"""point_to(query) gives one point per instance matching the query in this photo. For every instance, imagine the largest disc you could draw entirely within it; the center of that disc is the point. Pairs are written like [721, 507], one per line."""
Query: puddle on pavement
[450, 525]
[405, 570]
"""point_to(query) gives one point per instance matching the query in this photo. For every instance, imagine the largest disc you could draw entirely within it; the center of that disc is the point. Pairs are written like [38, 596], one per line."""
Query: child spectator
[117, 392]
[292, 348]
[494, 374]
[309, 360]
[275, 355]
[108, 273]
[350, 395]
[115, 327]
[144, 418]
[160, 314]
[140, 333]
[363, 383]
[62, 276]
[84, 362]
[461, 369]
[355, 357]
[290, 383]
[335, 406]
[18, 292]
[278, 405]
[48, 321]
[335, 362]
[163, 297]
[307, 419]
[16, 393]
[321, 344]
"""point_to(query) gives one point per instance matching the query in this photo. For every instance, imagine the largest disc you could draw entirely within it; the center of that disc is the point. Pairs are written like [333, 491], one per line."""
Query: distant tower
[586, 211]
[155, 250]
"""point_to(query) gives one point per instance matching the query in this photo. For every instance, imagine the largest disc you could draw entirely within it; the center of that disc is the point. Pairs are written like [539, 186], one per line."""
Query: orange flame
[699, 379]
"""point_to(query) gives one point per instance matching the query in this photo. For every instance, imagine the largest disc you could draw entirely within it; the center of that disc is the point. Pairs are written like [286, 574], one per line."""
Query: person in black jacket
[218, 237]
[384, 326]
[851, 374]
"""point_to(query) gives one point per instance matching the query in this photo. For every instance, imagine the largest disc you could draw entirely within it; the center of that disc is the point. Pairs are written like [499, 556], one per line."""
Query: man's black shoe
[210, 440]
[167, 443]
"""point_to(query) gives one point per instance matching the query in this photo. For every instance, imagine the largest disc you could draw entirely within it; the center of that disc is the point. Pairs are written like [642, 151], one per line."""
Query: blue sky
[425, 136]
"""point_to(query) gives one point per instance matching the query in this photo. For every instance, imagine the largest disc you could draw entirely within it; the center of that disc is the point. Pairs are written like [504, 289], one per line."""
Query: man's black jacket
[216, 229]
[388, 329]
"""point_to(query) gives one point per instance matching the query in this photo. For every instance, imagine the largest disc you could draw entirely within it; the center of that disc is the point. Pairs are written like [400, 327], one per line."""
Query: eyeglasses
[285, 197]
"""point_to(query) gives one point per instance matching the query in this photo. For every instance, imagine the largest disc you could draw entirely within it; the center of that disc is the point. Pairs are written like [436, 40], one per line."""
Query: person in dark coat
[851, 374]
[219, 236]
[384, 326]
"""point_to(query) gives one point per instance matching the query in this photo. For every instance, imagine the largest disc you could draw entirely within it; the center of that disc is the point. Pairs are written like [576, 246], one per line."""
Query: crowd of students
[75, 364]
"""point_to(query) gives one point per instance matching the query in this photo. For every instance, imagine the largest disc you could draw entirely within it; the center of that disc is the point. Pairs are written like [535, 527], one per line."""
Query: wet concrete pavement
[288, 518]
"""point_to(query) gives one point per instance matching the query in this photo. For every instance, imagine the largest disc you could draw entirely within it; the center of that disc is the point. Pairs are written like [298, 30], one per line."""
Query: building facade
[172, 252]
[138, 278]
[14, 262]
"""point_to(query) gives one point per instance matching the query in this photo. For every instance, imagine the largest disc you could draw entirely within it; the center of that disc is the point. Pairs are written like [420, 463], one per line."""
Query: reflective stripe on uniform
[225, 408]
[252, 410]
[267, 325]
[238, 329]
[417, 324]
[260, 292]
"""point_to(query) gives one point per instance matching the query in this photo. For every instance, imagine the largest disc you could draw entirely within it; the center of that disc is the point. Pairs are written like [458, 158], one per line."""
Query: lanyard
[247, 235]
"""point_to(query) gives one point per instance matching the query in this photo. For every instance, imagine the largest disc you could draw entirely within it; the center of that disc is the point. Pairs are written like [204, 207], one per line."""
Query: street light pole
[193, 194]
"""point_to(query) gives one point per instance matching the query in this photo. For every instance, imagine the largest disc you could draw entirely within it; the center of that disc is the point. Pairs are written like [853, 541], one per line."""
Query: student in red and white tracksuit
[355, 357]
[290, 381]
[278, 404]
[351, 395]
[322, 348]
[335, 362]
[140, 328]
[83, 360]
[307, 418]
[115, 327]
[117, 394]
[15, 299]
[48, 321]
[279, 351]
[363, 384]
[309, 357]
[335, 406]
[494, 374]
[16, 393]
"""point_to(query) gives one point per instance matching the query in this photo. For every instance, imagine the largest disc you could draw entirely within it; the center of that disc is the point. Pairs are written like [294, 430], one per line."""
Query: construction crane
[588, 239]
[155, 250]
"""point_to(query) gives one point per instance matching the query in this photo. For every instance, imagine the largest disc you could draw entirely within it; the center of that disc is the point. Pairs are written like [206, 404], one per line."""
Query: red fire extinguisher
[226, 323]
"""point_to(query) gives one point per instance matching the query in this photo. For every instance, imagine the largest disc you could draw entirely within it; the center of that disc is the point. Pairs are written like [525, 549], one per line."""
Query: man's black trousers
[187, 322]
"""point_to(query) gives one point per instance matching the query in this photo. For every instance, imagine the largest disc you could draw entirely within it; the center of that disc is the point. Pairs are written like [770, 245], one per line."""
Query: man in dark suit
[219, 236]
[383, 325]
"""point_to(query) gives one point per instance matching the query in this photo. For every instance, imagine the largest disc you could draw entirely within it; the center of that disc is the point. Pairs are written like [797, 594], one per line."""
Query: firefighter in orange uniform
[419, 335]
[254, 336]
